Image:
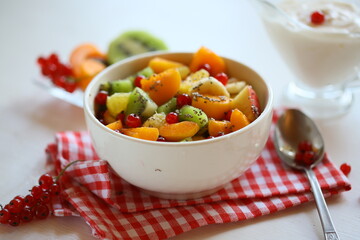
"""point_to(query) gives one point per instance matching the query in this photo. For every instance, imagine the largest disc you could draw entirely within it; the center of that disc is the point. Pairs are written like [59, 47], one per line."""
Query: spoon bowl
[292, 128]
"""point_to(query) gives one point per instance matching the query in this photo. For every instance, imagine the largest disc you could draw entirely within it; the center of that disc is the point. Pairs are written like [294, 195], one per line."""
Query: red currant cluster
[305, 154]
[59, 73]
[34, 205]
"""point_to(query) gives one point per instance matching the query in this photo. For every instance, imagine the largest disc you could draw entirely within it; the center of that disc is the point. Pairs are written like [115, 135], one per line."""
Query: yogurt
[320, 55]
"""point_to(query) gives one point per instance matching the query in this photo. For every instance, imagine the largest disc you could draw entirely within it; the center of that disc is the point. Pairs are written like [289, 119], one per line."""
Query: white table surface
[29, 116]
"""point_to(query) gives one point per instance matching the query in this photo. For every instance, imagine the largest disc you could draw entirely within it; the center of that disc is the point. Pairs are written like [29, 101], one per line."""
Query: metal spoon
[292, 128]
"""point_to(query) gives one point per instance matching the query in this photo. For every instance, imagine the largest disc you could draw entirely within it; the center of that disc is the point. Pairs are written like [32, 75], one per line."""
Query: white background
[29, 116]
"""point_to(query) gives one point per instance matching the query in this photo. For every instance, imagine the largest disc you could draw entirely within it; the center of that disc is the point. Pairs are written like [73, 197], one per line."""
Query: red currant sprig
[34, 205]
[60, 74]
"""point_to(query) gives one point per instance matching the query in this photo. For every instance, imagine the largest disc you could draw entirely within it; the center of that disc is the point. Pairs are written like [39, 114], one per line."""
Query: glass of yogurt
[320, 42]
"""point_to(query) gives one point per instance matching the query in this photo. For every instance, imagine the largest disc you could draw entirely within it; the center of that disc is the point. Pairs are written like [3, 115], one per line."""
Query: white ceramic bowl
[179, 170]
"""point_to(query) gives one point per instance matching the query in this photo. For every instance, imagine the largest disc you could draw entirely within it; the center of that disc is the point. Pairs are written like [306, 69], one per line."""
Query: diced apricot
[238, 120]
[146, 133]
[206, 56]
[108, 118]
[84, 82]
[216, 127]
[117, 125]
[81, 53]
[163, 86]
[161, 64]
[91, 67]
[214, 106]
[179, 131]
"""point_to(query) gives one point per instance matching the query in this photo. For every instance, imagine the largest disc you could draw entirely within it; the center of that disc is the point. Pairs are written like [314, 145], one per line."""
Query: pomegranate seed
[182, 100]
[133, 121]
[137, 81]
[345, 168]
[317, 18]
[41, 211]
[205, 66]
[45, 181]
[222, 77]
[101, 97]
[4, 216]
[161, 139]
[26, 215]
[14, 220]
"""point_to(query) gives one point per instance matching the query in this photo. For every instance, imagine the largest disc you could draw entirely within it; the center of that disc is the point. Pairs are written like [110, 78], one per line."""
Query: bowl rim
[88, 111]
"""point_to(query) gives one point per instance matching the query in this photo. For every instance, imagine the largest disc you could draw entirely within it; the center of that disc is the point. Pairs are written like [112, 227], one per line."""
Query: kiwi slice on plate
[131, 43]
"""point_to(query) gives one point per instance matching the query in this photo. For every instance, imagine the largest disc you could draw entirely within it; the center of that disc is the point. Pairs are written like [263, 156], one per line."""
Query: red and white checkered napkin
[116, 210]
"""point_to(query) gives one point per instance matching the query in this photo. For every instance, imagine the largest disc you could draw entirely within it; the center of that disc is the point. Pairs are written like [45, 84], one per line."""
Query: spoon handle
[327, 224]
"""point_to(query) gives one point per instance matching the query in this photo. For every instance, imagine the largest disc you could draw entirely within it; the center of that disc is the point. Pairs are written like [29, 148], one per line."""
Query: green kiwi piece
[105, 86]
[146, 72]
[167, 107]
[131, 43]
[140, 103]
[190, 113]
[118, 86]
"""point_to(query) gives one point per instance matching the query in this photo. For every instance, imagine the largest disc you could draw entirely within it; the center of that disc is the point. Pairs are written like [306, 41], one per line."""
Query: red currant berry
[26, 215]
[161, 139]
[308, 157]
[53, 58]
[4, 216]
[304, 146]
[182, 100]
[16, 206]
[29, 200]
[101, 97]
[228, 115]
[205, 66]
[46, 180]
[222, 77]
[59, 81]
[121, 117]
[317, 18]
[55, 190]
[133, 121]
[70, 86]
[172, 117]
[36, 192]
[45, 197]
[41, 211]
[345, 168]
[41, 61]
[14, 220]
[137, 81]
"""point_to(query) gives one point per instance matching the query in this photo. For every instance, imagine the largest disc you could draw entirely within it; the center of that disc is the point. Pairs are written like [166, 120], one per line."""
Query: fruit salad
[172, 102]
[87, 60]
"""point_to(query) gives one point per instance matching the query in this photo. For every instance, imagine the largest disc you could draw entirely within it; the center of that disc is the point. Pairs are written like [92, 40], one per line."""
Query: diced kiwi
[140, 103]
[146, 72]
[167, 107]
[105, 86]
[131, 43]
[119, 86]
[190, 113]
[188, 139]
[117, 103]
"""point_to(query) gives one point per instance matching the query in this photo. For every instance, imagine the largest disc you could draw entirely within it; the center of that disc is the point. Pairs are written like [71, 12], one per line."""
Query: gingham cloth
[116, 210]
